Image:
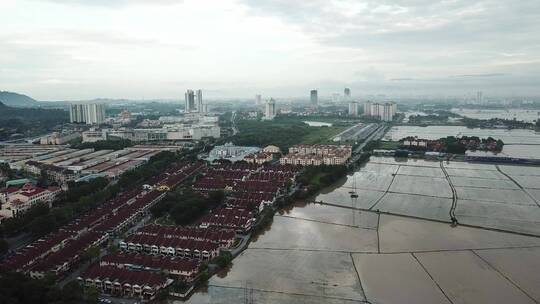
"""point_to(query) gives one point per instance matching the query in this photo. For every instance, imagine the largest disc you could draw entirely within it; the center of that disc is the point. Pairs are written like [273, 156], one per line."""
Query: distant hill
[16, 122]
[17, 100]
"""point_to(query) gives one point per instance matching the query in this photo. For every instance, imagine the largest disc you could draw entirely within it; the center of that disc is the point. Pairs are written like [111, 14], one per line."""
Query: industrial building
[59, 138]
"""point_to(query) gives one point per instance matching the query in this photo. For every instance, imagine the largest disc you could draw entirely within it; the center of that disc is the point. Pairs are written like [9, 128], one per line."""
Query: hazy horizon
[77, 50]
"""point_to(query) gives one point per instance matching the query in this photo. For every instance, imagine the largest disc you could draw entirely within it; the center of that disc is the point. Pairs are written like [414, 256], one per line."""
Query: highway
[376, 135]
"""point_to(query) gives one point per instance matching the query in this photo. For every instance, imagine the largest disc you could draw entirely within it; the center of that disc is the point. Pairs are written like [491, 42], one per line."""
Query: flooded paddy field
[519, 143]
[466, 278]
[396, 278]
[316, 273]
[338, 249]
[517, 114]
[493, 196]
[514, 136]
[414, 261]
[303, 234]
[330, 214]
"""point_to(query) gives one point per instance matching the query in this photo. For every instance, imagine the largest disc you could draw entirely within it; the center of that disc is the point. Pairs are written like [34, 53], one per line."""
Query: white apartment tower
[376, 110]
[367, 108]
[77, 113]
[384, 112]
[91, 114]
[353, 108]
[270, 109]
[95, 114]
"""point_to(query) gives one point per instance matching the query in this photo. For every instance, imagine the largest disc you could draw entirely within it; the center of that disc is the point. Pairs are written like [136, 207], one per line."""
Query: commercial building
[199, 101]
[194, 102]
[231, 152]
[89, 114]
[314, 98]
[258, 99]
[57, 138]
[384, 112]
[270, 109]
[190, 101]
[15, 201]
[316, 155]
[353, 108]
[272, 149]
[166, 133]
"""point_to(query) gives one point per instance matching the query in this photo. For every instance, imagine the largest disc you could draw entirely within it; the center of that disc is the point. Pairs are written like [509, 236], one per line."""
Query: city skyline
[394, 48]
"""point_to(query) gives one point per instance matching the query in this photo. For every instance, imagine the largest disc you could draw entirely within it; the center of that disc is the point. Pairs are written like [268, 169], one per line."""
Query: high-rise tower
[314, 98]
[190, 101]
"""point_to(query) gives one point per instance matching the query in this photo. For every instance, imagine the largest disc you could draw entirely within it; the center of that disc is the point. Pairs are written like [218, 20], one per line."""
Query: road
[376, 135]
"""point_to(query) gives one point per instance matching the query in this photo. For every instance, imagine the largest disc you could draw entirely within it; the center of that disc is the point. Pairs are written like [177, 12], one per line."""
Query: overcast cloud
[77, 49]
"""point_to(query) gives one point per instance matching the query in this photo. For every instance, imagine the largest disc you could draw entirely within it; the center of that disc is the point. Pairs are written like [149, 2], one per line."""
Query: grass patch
[165, 220]
[316, 180]
[321, 135]
[388, 145]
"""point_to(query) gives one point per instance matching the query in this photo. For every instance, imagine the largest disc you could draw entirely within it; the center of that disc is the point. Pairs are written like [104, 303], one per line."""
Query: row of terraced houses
[60, 252]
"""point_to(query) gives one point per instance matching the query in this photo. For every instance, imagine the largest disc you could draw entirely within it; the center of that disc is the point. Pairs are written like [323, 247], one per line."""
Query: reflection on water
[396, 278]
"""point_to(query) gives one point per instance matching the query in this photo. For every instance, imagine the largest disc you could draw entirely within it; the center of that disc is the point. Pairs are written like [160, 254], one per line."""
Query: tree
[91, 253]
[224, 259]
[5, 169]
[216, 197]
[4, 246]
[42, 225]
[91, 295]
[72, 292]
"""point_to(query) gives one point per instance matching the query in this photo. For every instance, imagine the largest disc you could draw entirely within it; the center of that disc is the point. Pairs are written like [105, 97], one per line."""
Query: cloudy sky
[82, 49]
